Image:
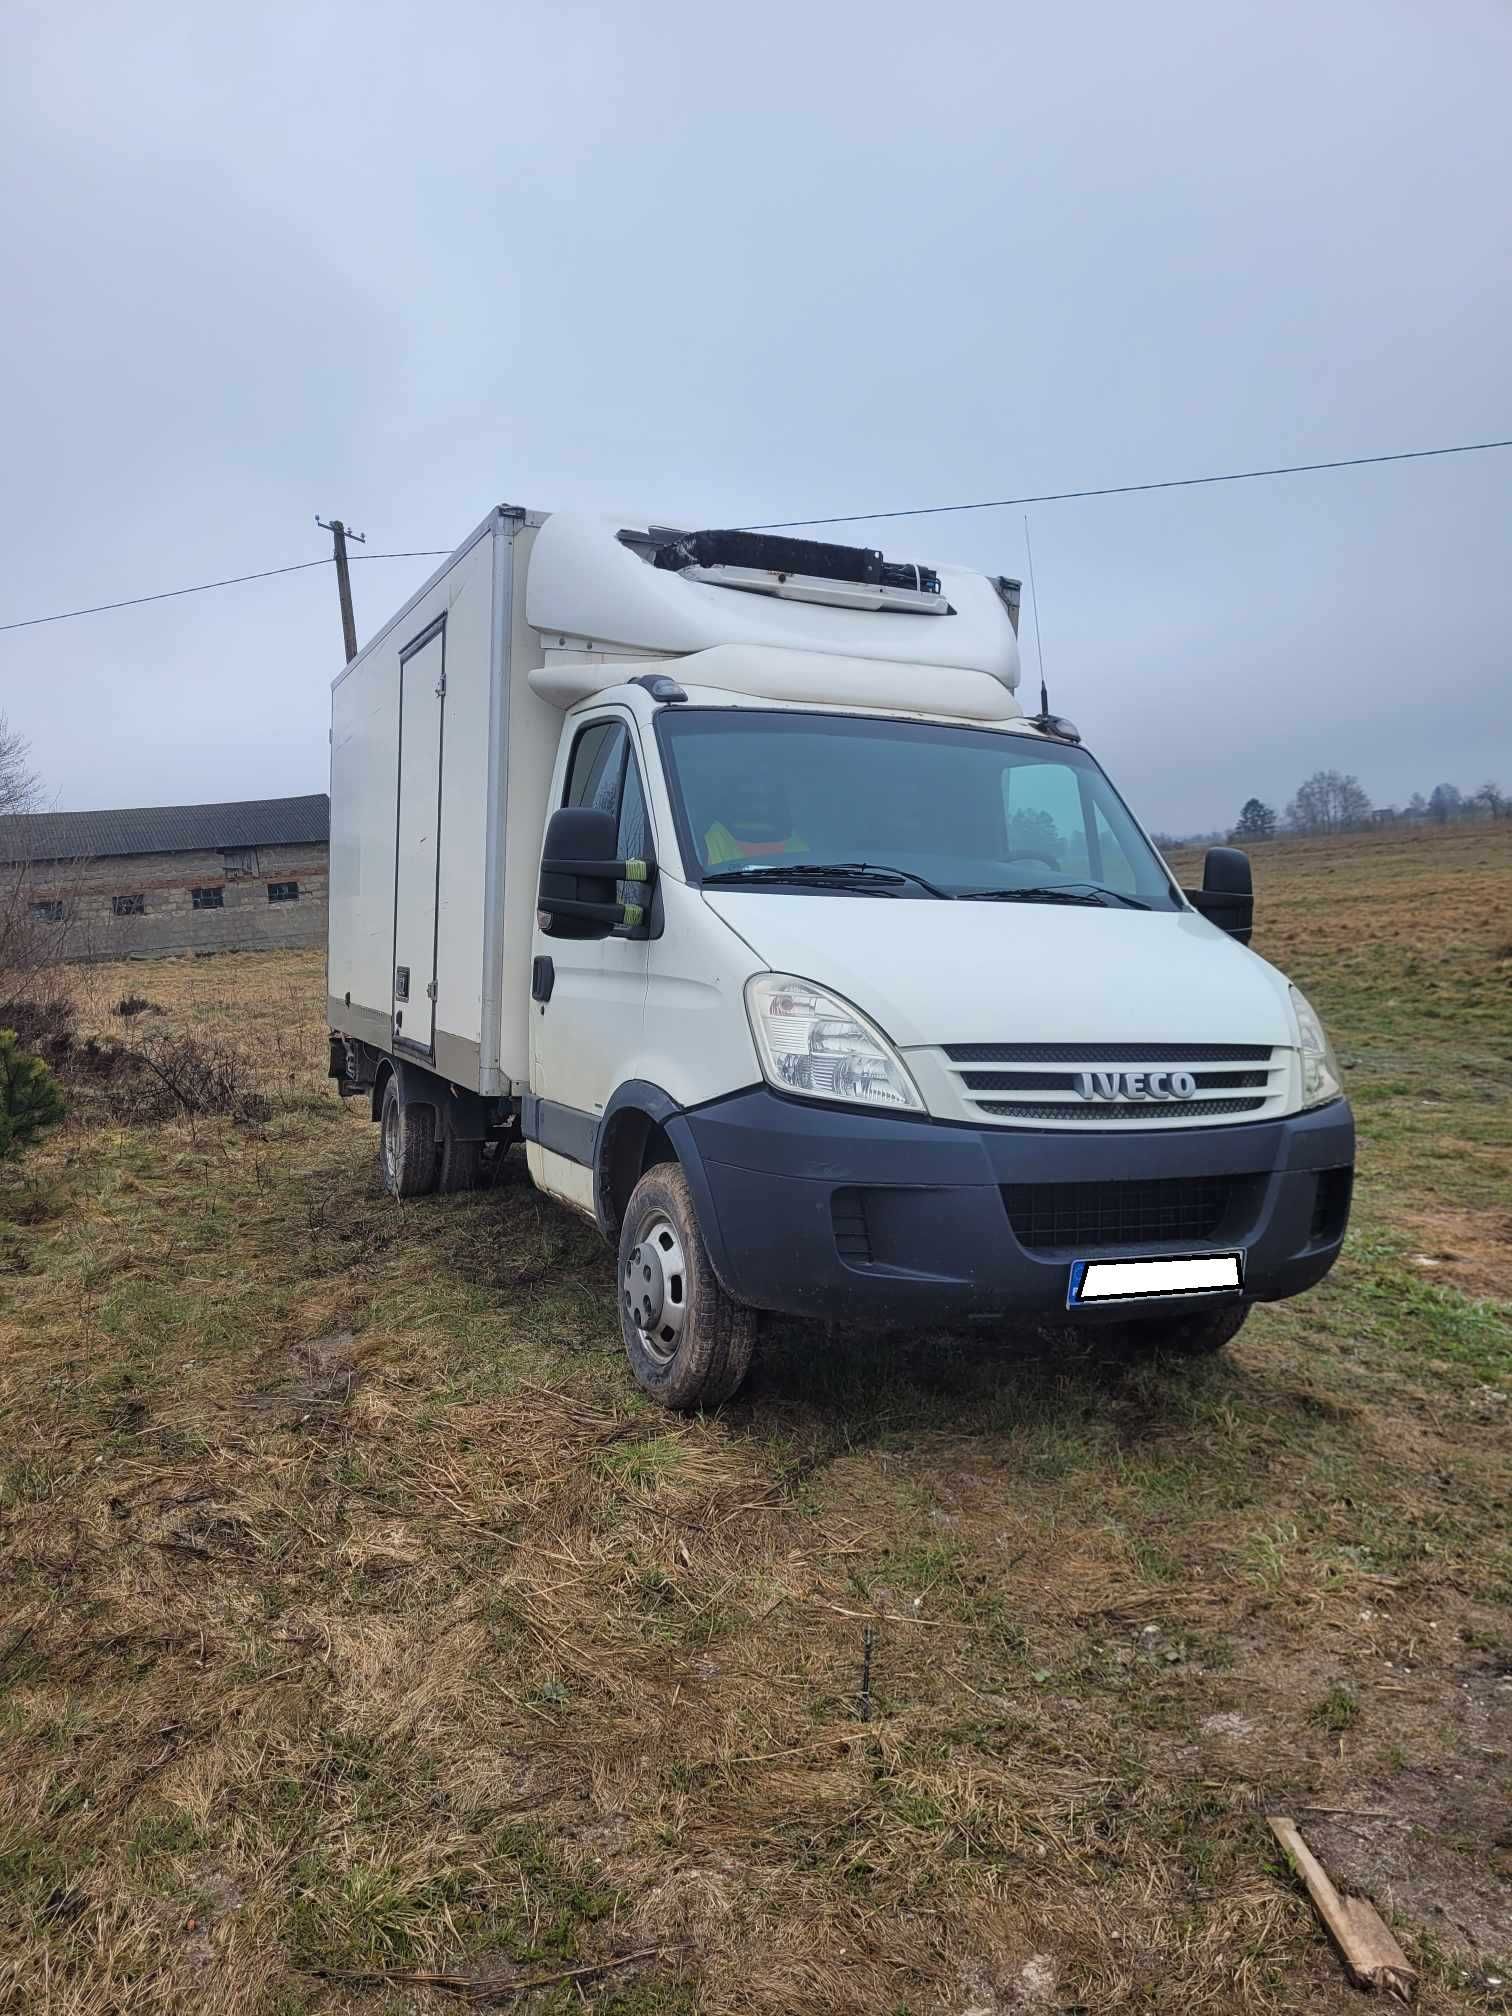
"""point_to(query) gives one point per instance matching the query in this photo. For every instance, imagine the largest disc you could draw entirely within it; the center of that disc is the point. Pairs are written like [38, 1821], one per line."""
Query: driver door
[588, 1000]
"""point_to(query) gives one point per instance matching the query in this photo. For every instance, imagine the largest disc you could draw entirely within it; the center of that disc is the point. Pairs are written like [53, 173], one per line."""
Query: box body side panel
[534, 732]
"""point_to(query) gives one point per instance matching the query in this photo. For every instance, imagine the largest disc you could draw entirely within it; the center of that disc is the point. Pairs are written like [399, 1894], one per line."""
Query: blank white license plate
[1136, 1280]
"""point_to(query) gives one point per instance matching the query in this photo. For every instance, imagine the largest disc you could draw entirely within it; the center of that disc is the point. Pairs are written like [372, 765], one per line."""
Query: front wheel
[1195, 1335]
[688, 1342]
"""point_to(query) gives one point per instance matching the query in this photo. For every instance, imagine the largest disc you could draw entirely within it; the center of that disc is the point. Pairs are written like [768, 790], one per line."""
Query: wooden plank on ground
[1371, 1954]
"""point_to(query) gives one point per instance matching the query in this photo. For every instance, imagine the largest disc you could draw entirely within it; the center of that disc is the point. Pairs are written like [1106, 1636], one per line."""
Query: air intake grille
[852, 1234]
[1086, 1216]
[1331, 1205]
[1105, 1114]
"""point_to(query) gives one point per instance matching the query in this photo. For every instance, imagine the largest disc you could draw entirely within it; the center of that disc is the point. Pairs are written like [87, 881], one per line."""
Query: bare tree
[18, 796]
[1328, 802]
[20, 788]
[35, 927]
[1495, 800]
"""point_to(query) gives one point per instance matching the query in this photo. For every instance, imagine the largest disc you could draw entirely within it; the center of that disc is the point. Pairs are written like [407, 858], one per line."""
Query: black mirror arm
[1233, 913]
[612, 914]
[608, 871]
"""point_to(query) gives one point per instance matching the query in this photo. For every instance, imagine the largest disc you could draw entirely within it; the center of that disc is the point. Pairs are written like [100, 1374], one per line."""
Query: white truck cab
[726, 872]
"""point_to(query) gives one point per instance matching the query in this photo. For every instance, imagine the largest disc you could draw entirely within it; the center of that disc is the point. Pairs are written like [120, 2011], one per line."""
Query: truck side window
[1044, 811]
[1117, 869]
[597, 767]
[634, 829]
[604, 775]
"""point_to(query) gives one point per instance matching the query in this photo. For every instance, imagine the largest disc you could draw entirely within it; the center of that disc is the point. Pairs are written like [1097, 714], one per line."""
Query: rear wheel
[406, 1144]
[688, 1342]
[460, 1166]
[1196, 1335]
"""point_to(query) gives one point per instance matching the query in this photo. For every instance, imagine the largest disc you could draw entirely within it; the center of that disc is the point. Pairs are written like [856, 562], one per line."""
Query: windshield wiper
[1053, 892]
[881, 868]
[837, 874]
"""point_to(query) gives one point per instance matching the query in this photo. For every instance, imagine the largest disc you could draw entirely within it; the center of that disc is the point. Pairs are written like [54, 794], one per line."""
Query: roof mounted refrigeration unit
[804, 570]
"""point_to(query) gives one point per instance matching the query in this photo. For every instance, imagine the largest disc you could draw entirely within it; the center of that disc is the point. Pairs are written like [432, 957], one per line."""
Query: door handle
[542, 979]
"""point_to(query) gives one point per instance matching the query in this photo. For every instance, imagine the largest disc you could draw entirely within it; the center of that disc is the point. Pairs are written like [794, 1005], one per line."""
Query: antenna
[1039, 642]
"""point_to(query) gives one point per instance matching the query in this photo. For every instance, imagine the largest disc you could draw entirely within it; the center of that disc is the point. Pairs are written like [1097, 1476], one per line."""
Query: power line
[1129, 489]
[202, 587]
[837, 518]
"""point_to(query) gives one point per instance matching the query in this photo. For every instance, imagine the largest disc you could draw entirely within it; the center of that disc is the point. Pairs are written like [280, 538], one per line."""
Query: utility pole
[339, 537]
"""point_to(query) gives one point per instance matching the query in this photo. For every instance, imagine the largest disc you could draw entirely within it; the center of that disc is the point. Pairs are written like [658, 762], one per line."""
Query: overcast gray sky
[400, 263]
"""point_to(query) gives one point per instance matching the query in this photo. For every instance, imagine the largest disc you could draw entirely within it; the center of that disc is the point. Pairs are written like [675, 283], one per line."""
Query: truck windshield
[850, 805]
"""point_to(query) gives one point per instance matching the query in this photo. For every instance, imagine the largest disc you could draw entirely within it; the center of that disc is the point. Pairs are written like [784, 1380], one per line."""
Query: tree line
[1330, 802]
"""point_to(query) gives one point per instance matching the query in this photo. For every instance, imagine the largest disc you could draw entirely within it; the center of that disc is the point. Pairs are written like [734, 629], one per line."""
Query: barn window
[239, 860]
[283, 892]
[128, 906]
[49, 912]
[208, 899]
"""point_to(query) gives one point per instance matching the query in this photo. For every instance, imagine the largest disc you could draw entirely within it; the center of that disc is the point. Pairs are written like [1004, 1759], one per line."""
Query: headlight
[815, 1043]
[1321, 1079]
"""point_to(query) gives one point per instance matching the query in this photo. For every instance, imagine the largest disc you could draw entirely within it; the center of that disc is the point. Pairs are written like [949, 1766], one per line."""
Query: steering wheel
[1028, 854]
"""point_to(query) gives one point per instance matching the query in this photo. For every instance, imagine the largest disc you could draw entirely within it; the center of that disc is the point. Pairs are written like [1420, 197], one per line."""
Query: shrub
[30, 1101]
[158, 1077]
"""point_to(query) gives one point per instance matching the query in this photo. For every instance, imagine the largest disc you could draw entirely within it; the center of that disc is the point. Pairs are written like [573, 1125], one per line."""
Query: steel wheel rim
[391, 1141]
[654, 1288]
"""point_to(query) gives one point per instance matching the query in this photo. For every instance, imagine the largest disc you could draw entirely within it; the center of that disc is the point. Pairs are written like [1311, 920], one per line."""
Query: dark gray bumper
[815, 1211]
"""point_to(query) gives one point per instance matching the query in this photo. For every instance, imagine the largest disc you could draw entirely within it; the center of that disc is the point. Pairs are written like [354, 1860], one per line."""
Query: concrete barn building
[156, 880]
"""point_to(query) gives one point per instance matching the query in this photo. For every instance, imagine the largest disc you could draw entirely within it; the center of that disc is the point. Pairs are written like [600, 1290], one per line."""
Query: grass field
[359, 1621]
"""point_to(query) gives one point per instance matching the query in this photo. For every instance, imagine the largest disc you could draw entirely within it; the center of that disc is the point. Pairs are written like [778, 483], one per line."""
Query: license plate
[1142, 1280]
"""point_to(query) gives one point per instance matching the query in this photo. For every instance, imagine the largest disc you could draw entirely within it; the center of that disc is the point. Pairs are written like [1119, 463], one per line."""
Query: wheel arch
[641, 1126]
[381, 1077]
[417, 1087]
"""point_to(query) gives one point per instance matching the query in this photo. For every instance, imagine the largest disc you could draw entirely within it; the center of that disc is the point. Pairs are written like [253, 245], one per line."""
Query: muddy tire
[406, 1144]
[1196, 1335]
[688, 1342]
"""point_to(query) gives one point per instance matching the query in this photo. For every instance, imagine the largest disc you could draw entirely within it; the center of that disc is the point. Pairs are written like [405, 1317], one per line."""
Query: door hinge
[441, 687]
[430, 990]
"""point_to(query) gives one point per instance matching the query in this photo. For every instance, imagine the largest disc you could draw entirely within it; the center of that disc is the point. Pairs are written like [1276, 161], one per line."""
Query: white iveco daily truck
[726, 872]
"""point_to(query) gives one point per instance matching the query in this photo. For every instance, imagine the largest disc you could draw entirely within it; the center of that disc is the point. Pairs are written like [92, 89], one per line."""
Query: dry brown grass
[358, 1618]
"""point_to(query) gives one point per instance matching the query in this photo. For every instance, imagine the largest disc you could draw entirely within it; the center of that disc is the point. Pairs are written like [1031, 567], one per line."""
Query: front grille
[1105, 1113]
[1227, 1081]
[1089, 1215]
[1137, 1054]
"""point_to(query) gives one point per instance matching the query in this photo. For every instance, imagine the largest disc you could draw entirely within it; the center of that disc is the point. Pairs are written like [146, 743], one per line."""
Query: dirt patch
[329, 1375]
[1434, 1842]
[1470, 1250]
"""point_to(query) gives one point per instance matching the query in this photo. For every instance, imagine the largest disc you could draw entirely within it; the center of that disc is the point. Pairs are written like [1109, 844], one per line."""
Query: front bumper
[815, 1211]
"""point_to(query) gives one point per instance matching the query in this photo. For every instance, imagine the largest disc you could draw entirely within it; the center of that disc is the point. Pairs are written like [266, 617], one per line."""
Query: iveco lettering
[1136, 1084]
[724, 873]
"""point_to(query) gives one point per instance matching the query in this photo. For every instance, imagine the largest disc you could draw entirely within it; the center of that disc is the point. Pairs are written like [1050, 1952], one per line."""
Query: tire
[1196, 1335]
[460, 1165]
[688, 1342]
[406, 1144]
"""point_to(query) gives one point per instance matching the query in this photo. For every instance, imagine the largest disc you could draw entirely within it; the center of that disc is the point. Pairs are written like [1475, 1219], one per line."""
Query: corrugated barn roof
[165, 829]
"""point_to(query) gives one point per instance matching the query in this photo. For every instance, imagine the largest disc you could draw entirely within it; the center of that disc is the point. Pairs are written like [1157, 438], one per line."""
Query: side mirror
[1227, 895]
[580, 875]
